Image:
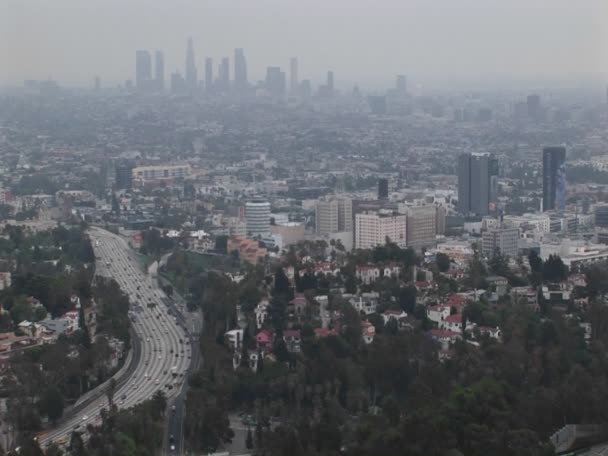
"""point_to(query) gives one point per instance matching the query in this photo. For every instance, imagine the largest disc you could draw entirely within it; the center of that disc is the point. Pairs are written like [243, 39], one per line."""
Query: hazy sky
[74, 40]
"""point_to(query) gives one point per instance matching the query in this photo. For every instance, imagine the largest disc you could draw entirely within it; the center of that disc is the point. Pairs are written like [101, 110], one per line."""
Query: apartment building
[374, 228]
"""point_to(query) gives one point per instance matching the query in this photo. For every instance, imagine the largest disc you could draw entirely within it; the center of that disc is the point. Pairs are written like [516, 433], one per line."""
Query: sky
[72, 41]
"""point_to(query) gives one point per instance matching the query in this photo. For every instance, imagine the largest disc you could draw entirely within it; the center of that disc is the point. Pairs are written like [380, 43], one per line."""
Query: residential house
[437, 314]
[370, 273]
[254, 358]
[234, 339]
[298, 304]
[494, 333]
[368, 332]
[261, 312]
[5, 280]
[395, 315]
[263, 341]
[499, 284]
[72, 319]
[30, 328]
[444, 337]
[528, 294]
[365, 303]
[292, 340]
[454, 323]
[321, 333]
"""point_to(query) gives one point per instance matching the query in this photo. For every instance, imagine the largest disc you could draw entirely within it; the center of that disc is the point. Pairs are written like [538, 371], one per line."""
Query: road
[163, 343]
[193, 322]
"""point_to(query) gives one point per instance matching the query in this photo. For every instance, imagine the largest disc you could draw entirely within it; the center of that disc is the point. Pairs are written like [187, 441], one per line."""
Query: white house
[438, 313]
[396, 315]
[261, 312]
[365, 303]
[234, 338]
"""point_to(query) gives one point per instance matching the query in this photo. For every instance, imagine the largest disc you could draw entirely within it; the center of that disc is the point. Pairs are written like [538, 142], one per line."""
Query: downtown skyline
[441, 43]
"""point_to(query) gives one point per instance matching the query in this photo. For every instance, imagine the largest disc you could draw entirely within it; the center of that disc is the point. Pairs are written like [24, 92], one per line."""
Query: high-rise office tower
[377, 104]
[224, 74]
[401, 84]
[382, 188]
[191, 80]
[124, 176]
[143, 69]
[477, 175]
[330, 82]
[293, 76]
[97, 83]
[275, 82]
[421, 226]
[333, 214]
[533, 105]
[240, 71]
[257, 218]
[554, 178]
[305, 89]
[178, 83]
[159, 70]
[209, 74]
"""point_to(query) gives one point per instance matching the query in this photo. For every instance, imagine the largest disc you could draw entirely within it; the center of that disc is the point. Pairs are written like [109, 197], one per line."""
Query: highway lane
[174, 442]
[165, 346]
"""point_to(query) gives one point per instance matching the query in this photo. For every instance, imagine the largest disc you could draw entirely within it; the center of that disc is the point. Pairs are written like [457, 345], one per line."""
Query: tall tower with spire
[190, 66]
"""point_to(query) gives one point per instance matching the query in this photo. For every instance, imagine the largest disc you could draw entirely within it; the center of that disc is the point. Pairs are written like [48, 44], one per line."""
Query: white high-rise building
[374, 228]
[257, 218]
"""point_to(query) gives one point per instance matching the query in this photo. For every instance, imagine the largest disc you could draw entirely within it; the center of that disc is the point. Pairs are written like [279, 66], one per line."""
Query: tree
[597, 281]
[499, 264]
[110, 392]
[54, 450]
[554, 269]
[281, 282]
[536, 268]
[77, 447]
[407, 299]
[443, 262]
[249, 439]
[51, 404]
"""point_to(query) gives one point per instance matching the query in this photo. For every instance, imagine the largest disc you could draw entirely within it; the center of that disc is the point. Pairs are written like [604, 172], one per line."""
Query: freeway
[193, 321]
[164, 343]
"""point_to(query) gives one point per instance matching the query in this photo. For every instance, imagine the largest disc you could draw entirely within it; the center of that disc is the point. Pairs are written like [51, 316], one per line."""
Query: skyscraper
[257, 218]
[330, 82]
[333, 214]
[554, 178]
[275, 82]
[224, 74]
[533, 105]
[293, 76]
[143, 69]
[124, 176]
[382, 188]
[209, 74]
[377, 104]
[240, 71]
[477, 183]
[401, 84]
[159, 70]
[191, 80]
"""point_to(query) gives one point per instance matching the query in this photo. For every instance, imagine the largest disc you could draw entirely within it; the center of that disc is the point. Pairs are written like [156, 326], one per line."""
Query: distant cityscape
[351, 265]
